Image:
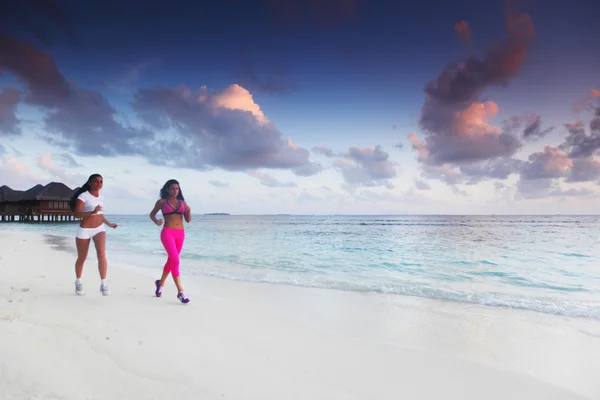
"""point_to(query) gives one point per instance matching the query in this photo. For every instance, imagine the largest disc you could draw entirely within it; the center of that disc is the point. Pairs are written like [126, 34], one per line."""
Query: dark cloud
[575, 160]
[201, 130]
[585, 170]
[498, 168]
[325, 151]
[399, 146]
[578, 143]
[422, 185]
[79, 118]
[270, 181]
[454, 119]
[531, 125]
[221, 132]
[368, 166]
[2, 150]
[9, 122]
[228, 130]
[533, 130]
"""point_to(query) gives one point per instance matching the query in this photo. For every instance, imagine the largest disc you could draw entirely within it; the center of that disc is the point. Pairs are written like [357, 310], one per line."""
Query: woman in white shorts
[88, 204]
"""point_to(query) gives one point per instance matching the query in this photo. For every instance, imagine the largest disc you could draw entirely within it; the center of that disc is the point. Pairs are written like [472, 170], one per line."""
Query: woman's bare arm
[155, 211]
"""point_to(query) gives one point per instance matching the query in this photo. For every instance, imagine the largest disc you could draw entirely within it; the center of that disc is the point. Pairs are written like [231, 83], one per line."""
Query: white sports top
[90, 202]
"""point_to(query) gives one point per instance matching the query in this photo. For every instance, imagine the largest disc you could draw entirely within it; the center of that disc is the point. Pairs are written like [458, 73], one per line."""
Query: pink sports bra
[180, 210]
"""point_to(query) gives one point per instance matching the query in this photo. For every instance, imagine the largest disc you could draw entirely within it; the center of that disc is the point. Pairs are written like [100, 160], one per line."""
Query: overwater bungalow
[40, 203]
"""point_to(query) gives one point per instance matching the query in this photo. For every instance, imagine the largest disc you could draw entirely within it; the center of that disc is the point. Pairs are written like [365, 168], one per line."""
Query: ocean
[546, 264]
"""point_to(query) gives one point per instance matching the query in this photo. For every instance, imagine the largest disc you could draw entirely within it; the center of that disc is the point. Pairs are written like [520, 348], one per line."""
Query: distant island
[217, 214]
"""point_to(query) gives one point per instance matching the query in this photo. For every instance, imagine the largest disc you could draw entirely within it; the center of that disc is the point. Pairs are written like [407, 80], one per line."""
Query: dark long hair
[164, 192]
[84, 188]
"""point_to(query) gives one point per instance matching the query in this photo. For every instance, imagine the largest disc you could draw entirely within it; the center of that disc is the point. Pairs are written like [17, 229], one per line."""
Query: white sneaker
[104, 289]
[79, 289]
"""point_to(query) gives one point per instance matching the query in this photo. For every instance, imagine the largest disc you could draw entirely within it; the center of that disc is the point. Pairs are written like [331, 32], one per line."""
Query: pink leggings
[172, 240]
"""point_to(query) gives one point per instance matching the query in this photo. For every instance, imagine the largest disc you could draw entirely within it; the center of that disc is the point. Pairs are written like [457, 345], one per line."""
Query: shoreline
[246, 340]
[510, 300]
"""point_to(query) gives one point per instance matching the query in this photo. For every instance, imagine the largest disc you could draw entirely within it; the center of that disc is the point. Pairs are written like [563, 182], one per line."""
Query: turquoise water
[548, 264]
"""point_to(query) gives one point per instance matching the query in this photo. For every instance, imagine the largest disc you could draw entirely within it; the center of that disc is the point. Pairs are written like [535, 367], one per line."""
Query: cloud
[69, 161]
[454, 119]
[575, 160]
[224, 129]
[16, 174]
[578, 143]
[545, 188]
[422, 185]
[199, 129]
[464, 32]
[533, 130]
[79, 118]
[219, 184]
[9, 123]
[184, 128]
[531, 124]
[325, 151]
[270, 181]
[551, 163]
[368, 166]
[2, 149]
[46, 163]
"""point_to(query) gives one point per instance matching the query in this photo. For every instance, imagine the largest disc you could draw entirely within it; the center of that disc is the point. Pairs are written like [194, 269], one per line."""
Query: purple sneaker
[159, 288]
[182, 297]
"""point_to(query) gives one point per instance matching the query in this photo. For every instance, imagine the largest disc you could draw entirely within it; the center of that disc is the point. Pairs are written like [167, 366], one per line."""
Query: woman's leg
[167, 238]
[179, 239]
[83, 246]
[100, 244]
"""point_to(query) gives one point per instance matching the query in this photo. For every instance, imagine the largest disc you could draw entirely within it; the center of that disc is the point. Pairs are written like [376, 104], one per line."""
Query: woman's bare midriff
[174, 221]
[93, 221]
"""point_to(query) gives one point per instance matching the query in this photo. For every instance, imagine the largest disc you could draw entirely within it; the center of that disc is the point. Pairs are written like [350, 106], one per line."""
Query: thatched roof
[7, 194]
[52, 191]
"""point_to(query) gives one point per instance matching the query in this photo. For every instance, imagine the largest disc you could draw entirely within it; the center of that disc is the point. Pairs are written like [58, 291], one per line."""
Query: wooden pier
[39, 204]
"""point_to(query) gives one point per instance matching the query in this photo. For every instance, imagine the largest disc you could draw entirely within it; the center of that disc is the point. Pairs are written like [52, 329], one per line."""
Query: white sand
[239, 340]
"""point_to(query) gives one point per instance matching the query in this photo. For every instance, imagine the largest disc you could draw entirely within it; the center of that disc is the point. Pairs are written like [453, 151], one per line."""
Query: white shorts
[88, 233]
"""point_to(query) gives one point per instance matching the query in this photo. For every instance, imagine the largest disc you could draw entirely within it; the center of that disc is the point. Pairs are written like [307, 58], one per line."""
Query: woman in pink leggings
[174, 209]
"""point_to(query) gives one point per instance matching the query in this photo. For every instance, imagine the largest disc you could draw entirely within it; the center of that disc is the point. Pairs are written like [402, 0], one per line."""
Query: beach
[245, 340]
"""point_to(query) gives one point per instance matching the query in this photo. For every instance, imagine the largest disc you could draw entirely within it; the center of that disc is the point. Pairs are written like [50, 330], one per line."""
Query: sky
[307, 106]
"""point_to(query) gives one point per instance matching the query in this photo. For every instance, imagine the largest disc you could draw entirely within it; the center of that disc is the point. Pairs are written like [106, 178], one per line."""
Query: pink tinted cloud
[208, 129]
[235, 97]
[454, 119]
[463, 30]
